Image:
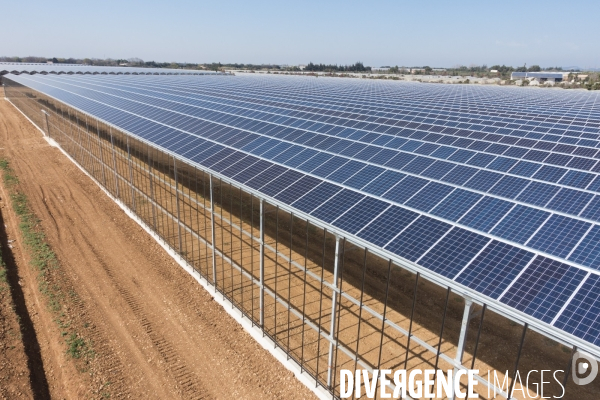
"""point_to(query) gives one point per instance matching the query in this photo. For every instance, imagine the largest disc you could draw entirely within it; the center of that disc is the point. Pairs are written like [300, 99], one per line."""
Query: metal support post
[262, 265]
[212, 223]
[333, 309]
[177, 200]
[514, 377]
[112, 143]
[47, 124]
[412, 316]
[150, 175]
[131, 185]
[101, 154]
[464, 327]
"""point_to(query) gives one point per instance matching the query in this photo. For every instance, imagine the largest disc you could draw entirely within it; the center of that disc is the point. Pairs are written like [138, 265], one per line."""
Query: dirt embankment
[147, 328]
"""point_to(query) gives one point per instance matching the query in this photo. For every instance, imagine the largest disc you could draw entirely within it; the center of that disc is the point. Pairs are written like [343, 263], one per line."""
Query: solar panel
[494, 189]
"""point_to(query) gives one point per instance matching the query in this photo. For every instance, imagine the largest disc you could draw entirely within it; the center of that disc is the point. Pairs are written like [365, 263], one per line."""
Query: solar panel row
[518, 229]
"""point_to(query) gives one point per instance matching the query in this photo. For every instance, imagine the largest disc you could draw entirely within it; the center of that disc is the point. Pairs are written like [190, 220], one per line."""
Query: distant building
[380, 69]
[540, 76]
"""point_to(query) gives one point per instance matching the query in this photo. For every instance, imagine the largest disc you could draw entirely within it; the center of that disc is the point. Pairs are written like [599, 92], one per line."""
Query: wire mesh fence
[328, 303]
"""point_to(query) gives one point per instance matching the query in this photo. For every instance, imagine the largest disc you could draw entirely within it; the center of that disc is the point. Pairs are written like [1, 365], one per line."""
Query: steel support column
[333, 309]
[262, 265]
[101, 153]
[47, 124]
[151, 178]
[131, 176]
[212, 224]
[177, 200]
[112, 143]
[464, 327]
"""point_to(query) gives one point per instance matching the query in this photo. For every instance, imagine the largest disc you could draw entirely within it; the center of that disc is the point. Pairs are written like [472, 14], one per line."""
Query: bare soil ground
[154, 332]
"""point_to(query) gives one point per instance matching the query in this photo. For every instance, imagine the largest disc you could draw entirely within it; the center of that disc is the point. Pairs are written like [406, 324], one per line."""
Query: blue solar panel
[385, 227]
[559, 235]
[418, 238]
[360, 214]
[520, 223]
[524, 168]
[384, 182]
[588, 251]
[543, 288]
[429, 196]
[341, 174]
[550, 174]
[405, 189]
[570, 201]
[364, 176]
[509, 187]
[483, 180]
[337, 205]
[486, 213]
[280, 183]
[592, 211]
[316, 197]
[252, 171]
[459, 174]
[538, 193]
[452, 143]
[577, 179]
[464, 244]
[581, 317]
[329, 166]
[298, 189]
[495, 268]
[456, 204]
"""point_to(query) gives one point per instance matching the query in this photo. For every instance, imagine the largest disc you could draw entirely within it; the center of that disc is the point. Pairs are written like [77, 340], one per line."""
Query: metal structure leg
[333, 309]
[262, 265]
[177, 201]
[212, 223]
[112, 144]
[464, 327]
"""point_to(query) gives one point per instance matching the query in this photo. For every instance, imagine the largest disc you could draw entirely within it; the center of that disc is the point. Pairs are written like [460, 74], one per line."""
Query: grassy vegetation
[44, 261]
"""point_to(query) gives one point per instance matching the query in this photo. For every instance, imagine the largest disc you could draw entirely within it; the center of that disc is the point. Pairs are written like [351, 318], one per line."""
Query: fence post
[262, 265]
[212, 223]
[464, 327]
[101, 153]
[47, 124]
[150, 175]
[333, 309]
[112, 143]
[177, 200]
[130, 176]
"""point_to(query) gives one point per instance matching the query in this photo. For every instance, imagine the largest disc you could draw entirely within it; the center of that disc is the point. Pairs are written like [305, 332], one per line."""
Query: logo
[581, 368]
[419, 384]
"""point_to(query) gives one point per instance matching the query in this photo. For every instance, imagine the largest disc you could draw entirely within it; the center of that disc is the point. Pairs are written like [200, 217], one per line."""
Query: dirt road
[155, 332]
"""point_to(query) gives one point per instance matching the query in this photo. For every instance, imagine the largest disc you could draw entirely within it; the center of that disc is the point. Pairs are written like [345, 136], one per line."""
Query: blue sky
[385, 32]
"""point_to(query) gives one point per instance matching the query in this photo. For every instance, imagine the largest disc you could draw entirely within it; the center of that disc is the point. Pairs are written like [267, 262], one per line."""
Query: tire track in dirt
[187, 382]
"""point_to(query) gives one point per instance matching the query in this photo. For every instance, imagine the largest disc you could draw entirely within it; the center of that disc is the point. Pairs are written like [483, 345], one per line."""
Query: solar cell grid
[494, 268]
[464, 246]
[451, 143]
[543, 288]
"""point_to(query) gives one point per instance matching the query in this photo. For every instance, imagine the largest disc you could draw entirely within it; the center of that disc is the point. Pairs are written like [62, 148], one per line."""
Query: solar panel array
[496, 189]
[80, 69]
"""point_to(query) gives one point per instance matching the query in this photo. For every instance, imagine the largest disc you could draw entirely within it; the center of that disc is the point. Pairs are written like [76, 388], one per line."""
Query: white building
[540, 76]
